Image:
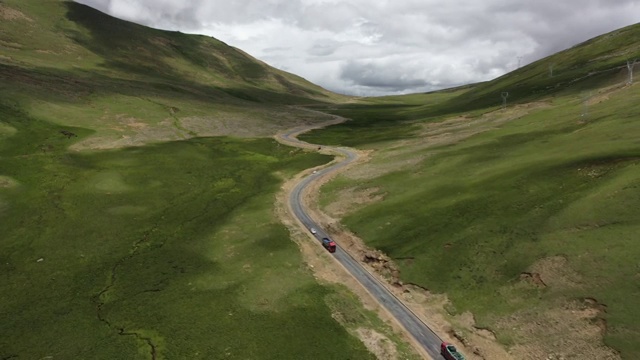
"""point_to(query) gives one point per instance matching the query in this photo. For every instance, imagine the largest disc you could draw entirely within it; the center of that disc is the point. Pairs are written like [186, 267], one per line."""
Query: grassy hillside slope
[594, 64]
[528, 216]
[169, 249]
[164, 251]
[72, 37]
[72, 65]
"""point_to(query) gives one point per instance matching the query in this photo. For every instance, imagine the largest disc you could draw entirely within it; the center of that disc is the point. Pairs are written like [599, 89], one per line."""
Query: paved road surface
[429, 341]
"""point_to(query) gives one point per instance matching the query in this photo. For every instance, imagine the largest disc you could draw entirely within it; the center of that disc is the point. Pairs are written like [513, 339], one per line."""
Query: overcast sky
[378, 47]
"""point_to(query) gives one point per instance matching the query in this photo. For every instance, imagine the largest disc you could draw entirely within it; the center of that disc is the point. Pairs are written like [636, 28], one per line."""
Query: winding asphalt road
[429, 341]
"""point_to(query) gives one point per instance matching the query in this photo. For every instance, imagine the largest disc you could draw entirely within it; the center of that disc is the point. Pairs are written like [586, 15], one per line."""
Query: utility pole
[630, 65]
[585, 105]
[504, 95]
[551, 70]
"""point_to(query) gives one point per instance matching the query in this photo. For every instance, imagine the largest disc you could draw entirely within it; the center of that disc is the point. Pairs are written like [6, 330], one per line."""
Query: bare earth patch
[555, 272]
[125, 131]
[572, 330]
[378, 344]
[357, 199]
[7, 13]
[131, 122]
[7, 182]
[566, 330]
[603, 94]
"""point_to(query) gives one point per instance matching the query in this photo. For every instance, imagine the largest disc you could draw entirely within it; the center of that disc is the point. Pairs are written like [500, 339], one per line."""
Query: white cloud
[376, 47]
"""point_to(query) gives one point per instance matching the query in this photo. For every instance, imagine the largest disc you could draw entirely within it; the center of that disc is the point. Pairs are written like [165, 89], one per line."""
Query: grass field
[170, 248]
[143, 231]
[469, 218]
[135, 235]
[375, 120]
[552, 193]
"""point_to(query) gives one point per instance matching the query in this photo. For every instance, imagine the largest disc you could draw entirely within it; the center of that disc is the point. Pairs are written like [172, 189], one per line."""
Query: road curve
[424, 336]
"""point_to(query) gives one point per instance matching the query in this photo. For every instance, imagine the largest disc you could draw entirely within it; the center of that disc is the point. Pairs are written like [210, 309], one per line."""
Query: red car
[450, 352]
[329, 245]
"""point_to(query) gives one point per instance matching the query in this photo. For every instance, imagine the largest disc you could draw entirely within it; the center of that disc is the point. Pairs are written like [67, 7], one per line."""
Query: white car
[313, 231]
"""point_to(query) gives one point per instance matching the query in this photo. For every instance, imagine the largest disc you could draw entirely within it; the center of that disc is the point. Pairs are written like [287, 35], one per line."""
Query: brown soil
[378, 344]
[571, 330]
[555, 273]
[565, 330]
[7, 182]
[122, 130]
[131, 122]
[7, 13]
[533, 278]
[604, 93]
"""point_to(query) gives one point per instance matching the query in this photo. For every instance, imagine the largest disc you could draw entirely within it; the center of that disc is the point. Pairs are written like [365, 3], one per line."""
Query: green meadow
[469, 217]
[170, 249]
[128, 230]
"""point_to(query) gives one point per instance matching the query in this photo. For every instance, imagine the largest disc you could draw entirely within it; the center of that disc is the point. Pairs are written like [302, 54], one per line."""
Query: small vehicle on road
[450, 352]
[313, 231]
[329, 245]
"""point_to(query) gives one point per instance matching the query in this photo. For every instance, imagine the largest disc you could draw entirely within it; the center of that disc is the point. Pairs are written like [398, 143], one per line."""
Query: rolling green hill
[71, 65]
[578, 71]
[593, 64]
[137, 184]
[525, 216]
[82, 43]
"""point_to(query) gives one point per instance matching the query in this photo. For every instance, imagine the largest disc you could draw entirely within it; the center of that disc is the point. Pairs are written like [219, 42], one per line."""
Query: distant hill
[597, 63]
[525, 216]
[586, 65]
[45, 40]
[70, 65]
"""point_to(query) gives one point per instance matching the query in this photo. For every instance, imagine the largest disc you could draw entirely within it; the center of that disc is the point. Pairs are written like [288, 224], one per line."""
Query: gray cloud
[377, 47]
[380, 76]
[323, 48]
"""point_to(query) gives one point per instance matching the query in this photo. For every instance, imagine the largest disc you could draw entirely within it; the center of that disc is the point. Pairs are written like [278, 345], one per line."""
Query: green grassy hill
[81, 42]
[525, 216]
[137, 185]
[595, 63]
[71, 65]
[578, 71]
